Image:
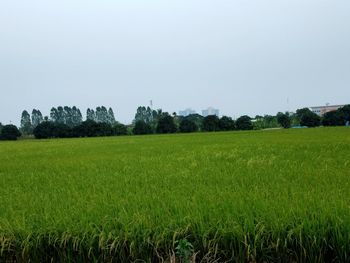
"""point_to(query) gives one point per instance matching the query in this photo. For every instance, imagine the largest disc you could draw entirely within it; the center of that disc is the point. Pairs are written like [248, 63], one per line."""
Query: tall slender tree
[77, 118]
[90, 115]
[26, 124]
[111, 118]
[37, 118]
[54, 115]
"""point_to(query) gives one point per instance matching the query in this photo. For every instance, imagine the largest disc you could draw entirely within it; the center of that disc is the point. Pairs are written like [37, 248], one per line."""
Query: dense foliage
[166, 124]
[141, 128]
[284, 120]
[88, 128]
[188, 125]
[211, 123]
[9, 132]
[244, 123]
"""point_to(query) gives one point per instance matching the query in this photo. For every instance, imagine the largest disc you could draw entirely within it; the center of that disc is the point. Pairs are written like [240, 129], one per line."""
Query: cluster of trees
[88, 128]
[70, 116]
[148, 121]
[67, 122]
[101, 115]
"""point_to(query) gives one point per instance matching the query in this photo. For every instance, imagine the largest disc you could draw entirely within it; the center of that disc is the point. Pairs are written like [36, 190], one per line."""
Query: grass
[281, 195]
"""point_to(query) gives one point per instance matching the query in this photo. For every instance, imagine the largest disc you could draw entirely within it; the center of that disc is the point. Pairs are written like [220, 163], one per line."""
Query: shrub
[9, 132]
[44, 130]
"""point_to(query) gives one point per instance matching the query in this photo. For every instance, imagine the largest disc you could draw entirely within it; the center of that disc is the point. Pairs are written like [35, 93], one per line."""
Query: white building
[187, 112]
[321, 110]
[210, 111]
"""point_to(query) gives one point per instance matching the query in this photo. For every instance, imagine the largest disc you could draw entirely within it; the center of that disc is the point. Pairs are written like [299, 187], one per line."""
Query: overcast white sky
[241, 56]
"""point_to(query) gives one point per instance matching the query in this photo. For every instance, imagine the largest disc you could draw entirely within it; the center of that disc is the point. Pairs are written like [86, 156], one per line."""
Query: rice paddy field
[258, 196]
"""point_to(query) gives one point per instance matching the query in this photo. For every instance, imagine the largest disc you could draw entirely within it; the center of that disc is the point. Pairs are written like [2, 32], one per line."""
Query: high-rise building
[210, 111]
[187, 112]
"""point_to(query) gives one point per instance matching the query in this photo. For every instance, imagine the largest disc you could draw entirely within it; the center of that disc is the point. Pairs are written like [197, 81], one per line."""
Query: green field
[281, 195]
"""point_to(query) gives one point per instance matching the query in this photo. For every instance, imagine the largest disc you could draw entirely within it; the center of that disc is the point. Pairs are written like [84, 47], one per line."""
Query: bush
[44, 130]
[187, 125]
[90, 128]
[10, 132]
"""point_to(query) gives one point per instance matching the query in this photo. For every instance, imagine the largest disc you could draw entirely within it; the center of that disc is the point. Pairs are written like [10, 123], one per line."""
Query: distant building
[321, 110]
[187, 112]
[210, 111]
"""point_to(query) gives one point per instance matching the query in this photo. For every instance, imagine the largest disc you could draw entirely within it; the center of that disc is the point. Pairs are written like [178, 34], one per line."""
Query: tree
[90, 115]
[77, 117]
[142, 127]
[61, 118]
[54, 116]
[187, 125]
[166, 124]
[284, 120]
[111, 118]
[37, 118]
[211, 123]
[344, 113]
[301, 112]
[308, 118]
[66, 115]
[332, 118]
[102, 115]
[196, 118]
[244, 123]
[226, 124]
[26, 124]
[147, 114]
[10, 132]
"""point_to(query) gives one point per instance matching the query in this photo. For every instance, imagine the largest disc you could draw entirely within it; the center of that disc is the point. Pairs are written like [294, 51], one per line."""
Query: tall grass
[262, 196]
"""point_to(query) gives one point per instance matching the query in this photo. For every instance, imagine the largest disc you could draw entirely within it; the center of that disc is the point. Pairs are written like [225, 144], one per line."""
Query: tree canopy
[188, 125]
[244, 123]
[166, 124]
[9, 132]
[284, 120]
[211, 123]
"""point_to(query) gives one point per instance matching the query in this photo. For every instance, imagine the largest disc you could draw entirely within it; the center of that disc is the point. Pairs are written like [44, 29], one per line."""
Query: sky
[240, 56]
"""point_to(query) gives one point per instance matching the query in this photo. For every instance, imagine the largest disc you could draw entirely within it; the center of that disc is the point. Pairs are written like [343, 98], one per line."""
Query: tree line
[67, 122]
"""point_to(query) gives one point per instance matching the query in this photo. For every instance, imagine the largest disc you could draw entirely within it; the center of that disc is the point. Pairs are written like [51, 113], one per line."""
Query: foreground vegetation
[273, 196]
